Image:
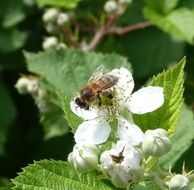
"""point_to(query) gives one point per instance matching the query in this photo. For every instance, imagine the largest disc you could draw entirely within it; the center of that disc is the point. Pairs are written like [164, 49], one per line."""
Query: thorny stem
[110, 28]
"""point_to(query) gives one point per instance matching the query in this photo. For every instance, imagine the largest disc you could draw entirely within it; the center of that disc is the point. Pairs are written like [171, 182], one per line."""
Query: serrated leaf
[57, 175]
[182, 139]
[146, 185]
[165, 117]
[68, 69]
[68, 4]
[162, 6]
[179, 23]
[72, 119]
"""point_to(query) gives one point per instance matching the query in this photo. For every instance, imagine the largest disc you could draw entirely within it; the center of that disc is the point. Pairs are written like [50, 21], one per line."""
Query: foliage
[163, 34]
[167, 116]
[58, 175]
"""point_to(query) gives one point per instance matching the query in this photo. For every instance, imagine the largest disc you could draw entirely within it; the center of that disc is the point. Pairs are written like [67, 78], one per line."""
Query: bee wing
[97, 74]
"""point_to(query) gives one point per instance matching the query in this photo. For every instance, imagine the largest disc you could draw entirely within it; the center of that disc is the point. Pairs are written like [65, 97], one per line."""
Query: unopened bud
[156, 143]
[178, 182]
[50, 15]
[51, 28]
[32, 87]
[62, 19]
[50, 43]
[125, 2]
[110, 6]
[84, 157]
[22, 85]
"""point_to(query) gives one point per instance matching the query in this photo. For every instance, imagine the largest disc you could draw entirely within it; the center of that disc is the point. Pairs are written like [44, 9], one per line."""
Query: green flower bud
[156, 143]
[179, 182]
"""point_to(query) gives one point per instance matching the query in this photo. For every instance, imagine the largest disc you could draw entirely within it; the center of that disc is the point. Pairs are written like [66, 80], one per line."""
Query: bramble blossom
[97, 117]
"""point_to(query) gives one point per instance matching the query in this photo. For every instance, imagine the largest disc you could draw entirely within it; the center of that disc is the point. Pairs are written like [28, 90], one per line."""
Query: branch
[111, 29]
[122, 30]
[99, 35]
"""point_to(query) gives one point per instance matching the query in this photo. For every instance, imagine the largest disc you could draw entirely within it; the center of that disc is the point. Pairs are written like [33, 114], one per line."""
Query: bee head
[81, 103]
[86, 93]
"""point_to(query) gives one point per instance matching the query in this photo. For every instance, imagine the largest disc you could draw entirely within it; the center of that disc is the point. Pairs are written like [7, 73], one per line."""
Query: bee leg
[99, 98]
[107, 94]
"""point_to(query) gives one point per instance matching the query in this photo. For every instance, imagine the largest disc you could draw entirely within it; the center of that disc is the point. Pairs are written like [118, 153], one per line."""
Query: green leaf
[68, 69]
[179, 23]
[154, 59]
[57, 175]
[182, 139]
[146, 185]
[7, 114]
[68, 4]
[11, 39]
[54, 124]
[72, 119]
[165, 117]
[162, 6]
[11, 13]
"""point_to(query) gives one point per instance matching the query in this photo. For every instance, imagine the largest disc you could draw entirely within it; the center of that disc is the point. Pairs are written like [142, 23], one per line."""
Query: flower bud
[32, 87]
[50, 15]
[122, 164]
[156, 142]
[51, 28]
[110, 6]
[178, 182]
[84, 157]
[22, 85]
[50, 43]
[62, 19]
[125, 2]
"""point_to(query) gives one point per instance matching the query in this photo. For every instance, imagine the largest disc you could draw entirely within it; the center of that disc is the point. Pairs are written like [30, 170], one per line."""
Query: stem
[110, 28]
[99, 35]
[122, 30]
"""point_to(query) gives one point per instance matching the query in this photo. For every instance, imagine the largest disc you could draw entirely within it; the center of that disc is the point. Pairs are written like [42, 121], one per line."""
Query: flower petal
[146, 100]
[129, 132]
[85, 114]
[92, 132]
[125, 84]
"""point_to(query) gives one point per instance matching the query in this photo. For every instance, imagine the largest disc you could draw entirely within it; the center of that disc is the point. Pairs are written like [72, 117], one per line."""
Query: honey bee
[97, 85]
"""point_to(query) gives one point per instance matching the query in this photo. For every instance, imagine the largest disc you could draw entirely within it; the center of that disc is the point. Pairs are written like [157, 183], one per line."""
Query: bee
[97, 85]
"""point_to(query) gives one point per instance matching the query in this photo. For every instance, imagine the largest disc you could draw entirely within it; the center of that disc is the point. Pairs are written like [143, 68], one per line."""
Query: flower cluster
[54, 21]
[30, 85]
[107, 122]
[117, 7]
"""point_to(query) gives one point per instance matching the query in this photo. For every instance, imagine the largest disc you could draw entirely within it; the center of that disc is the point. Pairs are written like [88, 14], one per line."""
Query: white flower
[178, 182]
[84, 157]
[129, 132]
[50, 15]
[50, 43]
[62, 19]
[144, 100]
[122, 164]
[156, 142]
[110, 6]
